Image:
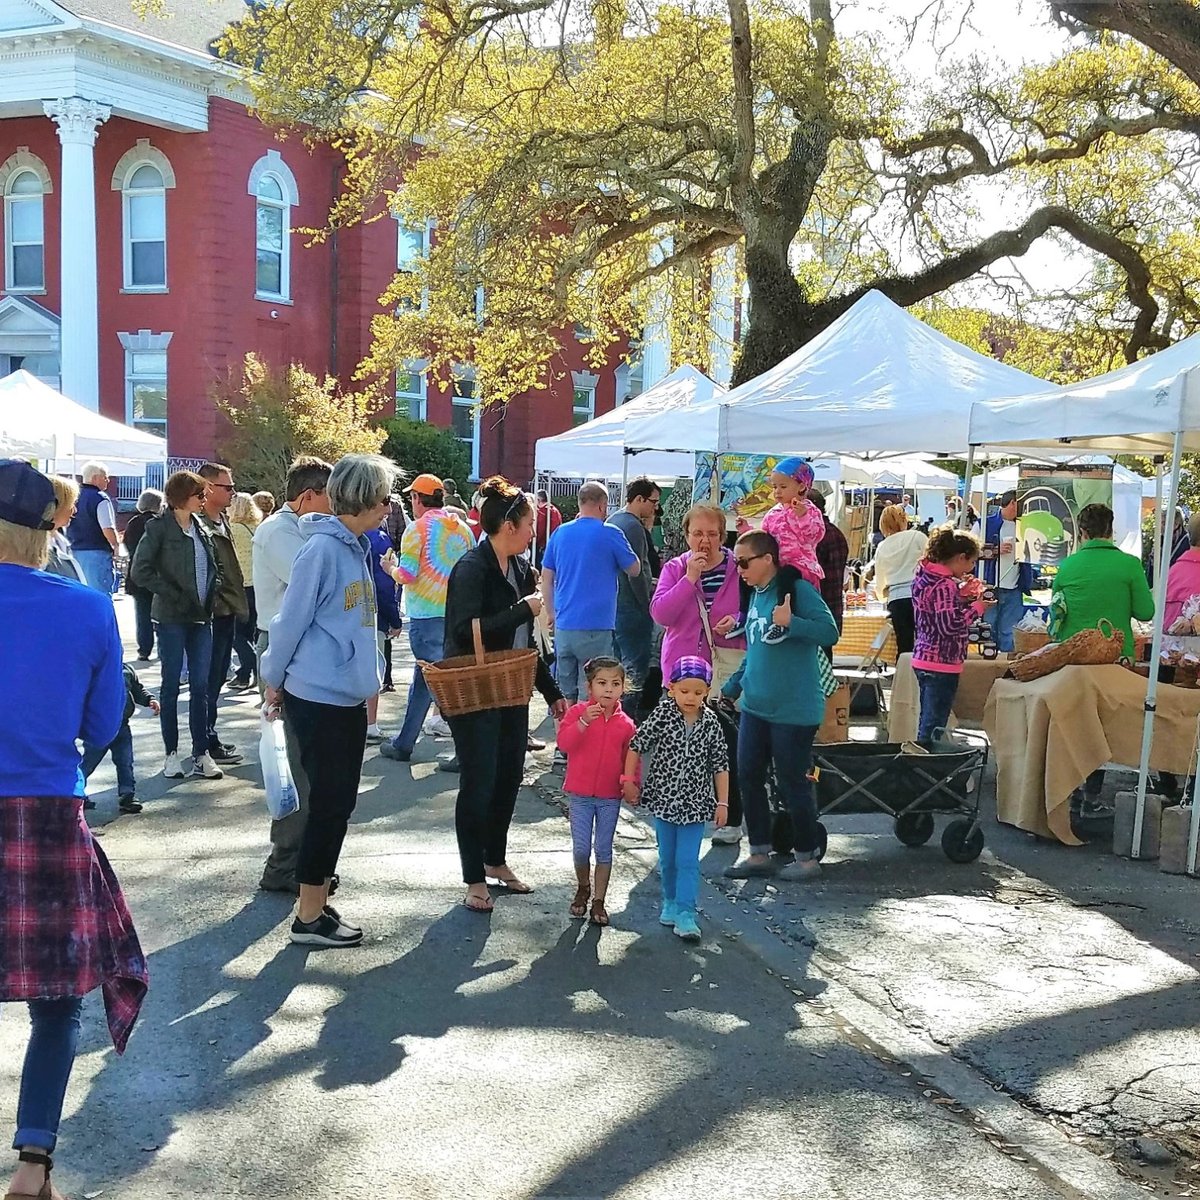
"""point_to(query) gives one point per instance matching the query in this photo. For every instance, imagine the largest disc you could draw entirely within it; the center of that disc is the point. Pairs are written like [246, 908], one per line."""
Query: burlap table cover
[1048, 736]
[974, 687]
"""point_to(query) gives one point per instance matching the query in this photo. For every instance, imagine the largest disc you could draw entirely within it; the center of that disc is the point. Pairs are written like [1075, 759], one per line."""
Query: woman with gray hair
[321, 665]
[149, 506]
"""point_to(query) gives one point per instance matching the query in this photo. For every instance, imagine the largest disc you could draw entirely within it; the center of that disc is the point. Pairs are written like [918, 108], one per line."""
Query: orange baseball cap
[425, 485]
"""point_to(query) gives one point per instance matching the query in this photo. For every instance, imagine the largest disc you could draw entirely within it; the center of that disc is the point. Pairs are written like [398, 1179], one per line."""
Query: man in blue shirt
[583, 563]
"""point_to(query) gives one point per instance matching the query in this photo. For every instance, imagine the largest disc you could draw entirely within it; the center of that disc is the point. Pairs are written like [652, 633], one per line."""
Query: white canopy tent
[877, 381]
[1158, 398]
[36, 422]
[596, 450]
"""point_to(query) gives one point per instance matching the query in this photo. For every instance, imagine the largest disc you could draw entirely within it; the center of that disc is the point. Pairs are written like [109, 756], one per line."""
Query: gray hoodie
[323, 644]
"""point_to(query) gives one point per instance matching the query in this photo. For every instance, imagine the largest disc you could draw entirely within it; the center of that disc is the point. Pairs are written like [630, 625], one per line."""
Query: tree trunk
[778, 305]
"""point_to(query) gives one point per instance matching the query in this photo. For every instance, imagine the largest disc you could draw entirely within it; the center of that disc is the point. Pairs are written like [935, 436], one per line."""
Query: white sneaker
[731, 835]
[374, 735]
[205, 766]
[438, 726]
[172, 767]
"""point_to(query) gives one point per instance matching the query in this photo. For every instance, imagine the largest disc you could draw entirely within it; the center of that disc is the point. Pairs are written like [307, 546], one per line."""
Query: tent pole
[624, 472]
[962, 515]
[1160, 597]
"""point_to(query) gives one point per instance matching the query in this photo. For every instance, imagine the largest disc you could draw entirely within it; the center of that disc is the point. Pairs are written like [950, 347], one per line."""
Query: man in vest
[93, 529]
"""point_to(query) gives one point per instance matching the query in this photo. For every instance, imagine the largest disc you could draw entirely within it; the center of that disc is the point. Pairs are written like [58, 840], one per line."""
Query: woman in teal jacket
[783, 704]
[1099, 581]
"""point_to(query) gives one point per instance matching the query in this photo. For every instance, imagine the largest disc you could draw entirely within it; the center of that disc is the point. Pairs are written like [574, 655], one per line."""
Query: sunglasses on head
[741, 561]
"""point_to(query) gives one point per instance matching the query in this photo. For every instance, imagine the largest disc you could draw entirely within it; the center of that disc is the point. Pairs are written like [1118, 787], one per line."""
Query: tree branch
[1169, 27]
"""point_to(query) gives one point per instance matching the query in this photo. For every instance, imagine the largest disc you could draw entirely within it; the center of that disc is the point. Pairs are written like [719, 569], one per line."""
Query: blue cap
[25, 494]
[800, 469]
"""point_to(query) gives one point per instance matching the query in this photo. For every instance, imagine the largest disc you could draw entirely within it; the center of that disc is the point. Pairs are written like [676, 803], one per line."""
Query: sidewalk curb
[1076, 1168]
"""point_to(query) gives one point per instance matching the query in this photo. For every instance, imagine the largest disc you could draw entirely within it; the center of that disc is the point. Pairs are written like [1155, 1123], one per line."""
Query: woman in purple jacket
[696, 601]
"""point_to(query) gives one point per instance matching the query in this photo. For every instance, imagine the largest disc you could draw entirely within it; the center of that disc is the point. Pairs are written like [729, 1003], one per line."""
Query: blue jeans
[679, 862]
[143, 622]
[789, 747]
[245, 635]
[121, 749]
[224, 630]
[49, 1058]
[426, 636]
[588, 813]
[938, 689]
[1004, 615]
[174, 641]
[634, 638]
[97, 568]
[572, 648]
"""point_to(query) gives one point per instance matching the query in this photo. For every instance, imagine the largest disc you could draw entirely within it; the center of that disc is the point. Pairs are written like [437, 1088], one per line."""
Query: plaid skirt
[64, 926]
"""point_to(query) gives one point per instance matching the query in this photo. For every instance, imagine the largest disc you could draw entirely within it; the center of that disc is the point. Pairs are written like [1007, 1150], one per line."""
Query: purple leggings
[588, 812]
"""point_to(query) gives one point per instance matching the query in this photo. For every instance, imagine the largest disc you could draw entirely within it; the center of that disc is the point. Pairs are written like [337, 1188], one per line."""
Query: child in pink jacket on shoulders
[595, 735]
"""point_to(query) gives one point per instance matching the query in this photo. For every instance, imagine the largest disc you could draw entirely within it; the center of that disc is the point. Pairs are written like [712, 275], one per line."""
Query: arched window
[272, 277]
[24, 237]
[144, 198]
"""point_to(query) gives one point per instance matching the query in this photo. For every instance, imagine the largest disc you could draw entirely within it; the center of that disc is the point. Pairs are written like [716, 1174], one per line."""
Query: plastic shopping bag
[282, 797]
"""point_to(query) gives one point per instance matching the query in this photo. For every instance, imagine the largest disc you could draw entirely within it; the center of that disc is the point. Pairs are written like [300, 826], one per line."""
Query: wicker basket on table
[1088, 648]
[1026, 641]
[470, 683]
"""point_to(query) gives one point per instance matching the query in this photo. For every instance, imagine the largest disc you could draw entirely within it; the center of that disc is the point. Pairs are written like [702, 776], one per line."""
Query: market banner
[1049, 500]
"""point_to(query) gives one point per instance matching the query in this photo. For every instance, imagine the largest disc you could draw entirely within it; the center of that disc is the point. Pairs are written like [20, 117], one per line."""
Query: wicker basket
[1026, 641]
[1088, 648]
[487, 679]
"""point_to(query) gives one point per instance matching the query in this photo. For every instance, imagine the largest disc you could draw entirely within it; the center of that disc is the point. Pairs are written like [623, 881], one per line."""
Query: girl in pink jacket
[595, 736]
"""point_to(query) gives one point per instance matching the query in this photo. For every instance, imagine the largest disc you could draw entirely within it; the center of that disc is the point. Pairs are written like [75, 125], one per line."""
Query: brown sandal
[479, 904]
[580, 903]
[46, 1191]
[599, 913]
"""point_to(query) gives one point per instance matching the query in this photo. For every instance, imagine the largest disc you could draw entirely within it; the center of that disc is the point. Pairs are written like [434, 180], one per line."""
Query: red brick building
[147, 231]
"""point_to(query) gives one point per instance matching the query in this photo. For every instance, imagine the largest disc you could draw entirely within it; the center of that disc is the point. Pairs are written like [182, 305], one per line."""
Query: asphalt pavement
[524, 1054]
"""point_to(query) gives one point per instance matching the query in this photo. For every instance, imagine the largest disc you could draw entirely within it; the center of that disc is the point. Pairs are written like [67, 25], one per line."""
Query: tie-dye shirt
[430, 547]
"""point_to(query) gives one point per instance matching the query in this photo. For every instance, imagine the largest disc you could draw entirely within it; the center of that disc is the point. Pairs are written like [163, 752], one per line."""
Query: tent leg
[624, 475]
[1160, 597]
[962, 516]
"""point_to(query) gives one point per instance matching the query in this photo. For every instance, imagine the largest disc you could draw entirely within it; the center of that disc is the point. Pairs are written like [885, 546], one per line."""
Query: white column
[78, 120]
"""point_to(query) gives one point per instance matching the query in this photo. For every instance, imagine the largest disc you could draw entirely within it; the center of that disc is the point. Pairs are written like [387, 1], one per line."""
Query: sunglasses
[741, 562]
[228, 487]
[518, 500]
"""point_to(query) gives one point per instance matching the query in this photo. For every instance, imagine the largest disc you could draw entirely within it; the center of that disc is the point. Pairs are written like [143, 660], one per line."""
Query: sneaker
[686, 926]
[731, 835]
[390, 750]
[330, 911]
[239, 683]
[374, 735]
[225, 753]
[560, 759]
[388, 686]
[143, 658]
[89, 805]
[128, 804]
[798, 871]
[774, 635]
[1094, 809]
[668, 914]
[172, 767]
[205, 766]
[532, 743]
[324, 931]
[438, 726]
[449, 765]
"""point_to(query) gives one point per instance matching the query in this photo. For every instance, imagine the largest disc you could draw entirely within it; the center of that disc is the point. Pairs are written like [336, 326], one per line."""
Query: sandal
[579, 904]
[509, 882]
[599, 913]
[479, 904]
[46, 1191]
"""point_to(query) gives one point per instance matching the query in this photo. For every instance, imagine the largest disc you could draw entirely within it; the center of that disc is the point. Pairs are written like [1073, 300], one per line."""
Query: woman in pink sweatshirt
[946, 600]
[595, 736]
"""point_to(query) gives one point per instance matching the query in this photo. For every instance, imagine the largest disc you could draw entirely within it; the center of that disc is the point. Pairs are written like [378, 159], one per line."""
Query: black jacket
[478, 588]
[133, 534]
[165, 564]
[135, 692]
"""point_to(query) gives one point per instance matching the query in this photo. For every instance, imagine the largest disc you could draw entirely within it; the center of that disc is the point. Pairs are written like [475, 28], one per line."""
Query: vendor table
[974, 687]
[859, 627]
[1048, 736]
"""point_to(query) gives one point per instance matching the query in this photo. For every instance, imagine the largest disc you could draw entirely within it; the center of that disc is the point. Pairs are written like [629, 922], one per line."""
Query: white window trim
[419, 398]
[584, 381]
[468, 373]
[141, 154]
[426, 245]
[142, 341]
[9, 177]
[272, 164]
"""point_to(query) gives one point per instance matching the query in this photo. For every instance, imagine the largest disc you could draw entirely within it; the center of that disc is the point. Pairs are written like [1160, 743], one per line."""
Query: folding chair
[872, 672]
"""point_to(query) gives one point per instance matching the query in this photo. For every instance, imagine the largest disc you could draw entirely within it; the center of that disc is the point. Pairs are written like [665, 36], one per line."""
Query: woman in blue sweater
[783, 704]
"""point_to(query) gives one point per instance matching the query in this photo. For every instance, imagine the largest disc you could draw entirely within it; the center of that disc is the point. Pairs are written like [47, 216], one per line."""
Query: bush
[420, 447]
[274, 416]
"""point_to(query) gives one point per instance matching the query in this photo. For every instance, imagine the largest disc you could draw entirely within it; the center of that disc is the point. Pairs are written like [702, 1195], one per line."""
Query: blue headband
[691, 667]
[800, 469]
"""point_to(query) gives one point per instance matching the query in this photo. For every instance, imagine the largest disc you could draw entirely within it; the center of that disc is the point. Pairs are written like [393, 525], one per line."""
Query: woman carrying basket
[496, 586]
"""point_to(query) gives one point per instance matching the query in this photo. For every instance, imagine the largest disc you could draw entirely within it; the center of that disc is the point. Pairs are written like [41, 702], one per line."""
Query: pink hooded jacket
[676, 609]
